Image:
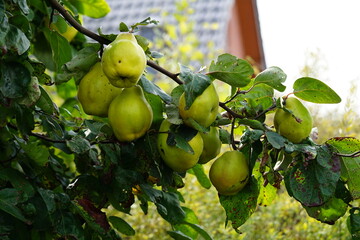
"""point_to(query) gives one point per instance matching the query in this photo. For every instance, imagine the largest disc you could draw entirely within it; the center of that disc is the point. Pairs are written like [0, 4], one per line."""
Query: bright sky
[292, 28]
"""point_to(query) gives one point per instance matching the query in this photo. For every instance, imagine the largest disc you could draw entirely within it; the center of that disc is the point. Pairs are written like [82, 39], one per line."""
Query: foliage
[63, 173]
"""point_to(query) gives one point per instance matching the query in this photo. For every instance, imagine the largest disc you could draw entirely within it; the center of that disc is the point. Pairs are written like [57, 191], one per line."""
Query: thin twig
[232, 135]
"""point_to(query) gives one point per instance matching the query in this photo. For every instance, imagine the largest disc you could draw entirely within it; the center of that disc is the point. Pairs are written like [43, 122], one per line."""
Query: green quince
[204, 108]
[212, 145]
[176, 158]
[130, 115]
[123, 61]
[294, 129]
[95, 93]
[229, 173]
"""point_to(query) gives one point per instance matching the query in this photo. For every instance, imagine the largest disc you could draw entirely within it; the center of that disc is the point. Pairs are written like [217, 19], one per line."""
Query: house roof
[132, 11]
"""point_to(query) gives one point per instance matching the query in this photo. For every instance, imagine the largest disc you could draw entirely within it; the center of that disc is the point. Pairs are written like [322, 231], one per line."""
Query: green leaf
[78, 144]
[121, 225]
[194, 84]
[152, 88]
[313, 90]
[16, 40]
[67, 224]
[123, 27]
[272, 76]
[350, 166]
[228, 68]
[275, 139]
[14, 79]
[60, 48]
[49, 199]
[314, 182]
[254, 124]
[17, 180]
[38, 153]
[167, 203]
[23, 6]
[200, 230]
[353, 223]
[45, 103]
[224, 136]
[79, 65]
[9, 197]
[180, 135]
[241, 206]
[201, 176]
[92, 8]
[25, 119]
[177, 235]
[329, 212]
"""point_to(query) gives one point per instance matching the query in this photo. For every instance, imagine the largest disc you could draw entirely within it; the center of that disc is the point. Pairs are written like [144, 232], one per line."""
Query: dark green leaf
[350, 166]
[17, 180]
[200, 230]
[272, 76]
[353, 223]
[314, 182]
[194, 84]
[25, 119]
[78, 144]
[201, 176]
[313, 90]
[48, 197]
[228, 68]
[23, 6]
[14, 79]
[67, 224]
[9, 197]
[177, 235]
[173, 115]
[123, 27]
[224, 136]
[180, 135]
[152, 88]
[60, 48]
[275, 139]
[167, 203]
[121, 225]
[254, 124]
[241, 206]
[45, 103]
[79, 65]
[16, 40]
[38, 153]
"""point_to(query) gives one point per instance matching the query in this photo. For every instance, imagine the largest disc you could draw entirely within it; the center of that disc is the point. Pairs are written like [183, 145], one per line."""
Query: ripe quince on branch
[294, 129]
[204, 108]
[123, 61]
[95, 93]
[230, 172]
[176, 158]
[130, 115]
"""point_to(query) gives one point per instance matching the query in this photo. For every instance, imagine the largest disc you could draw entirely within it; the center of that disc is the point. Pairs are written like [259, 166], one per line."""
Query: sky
[292, 29]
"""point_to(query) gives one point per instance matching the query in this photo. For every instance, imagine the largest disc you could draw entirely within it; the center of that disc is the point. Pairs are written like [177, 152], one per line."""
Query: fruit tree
[123, 140]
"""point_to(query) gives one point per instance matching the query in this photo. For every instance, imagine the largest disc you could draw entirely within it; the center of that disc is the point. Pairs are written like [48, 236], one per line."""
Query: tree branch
[67, 16]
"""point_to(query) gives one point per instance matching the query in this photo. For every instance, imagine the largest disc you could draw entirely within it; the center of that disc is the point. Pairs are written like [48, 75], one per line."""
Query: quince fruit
[176, 158]
[204, 108]
[130, 115]
[123, 61]
[212, 145]
[289, 127]
[95, 93]
[229, 173]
